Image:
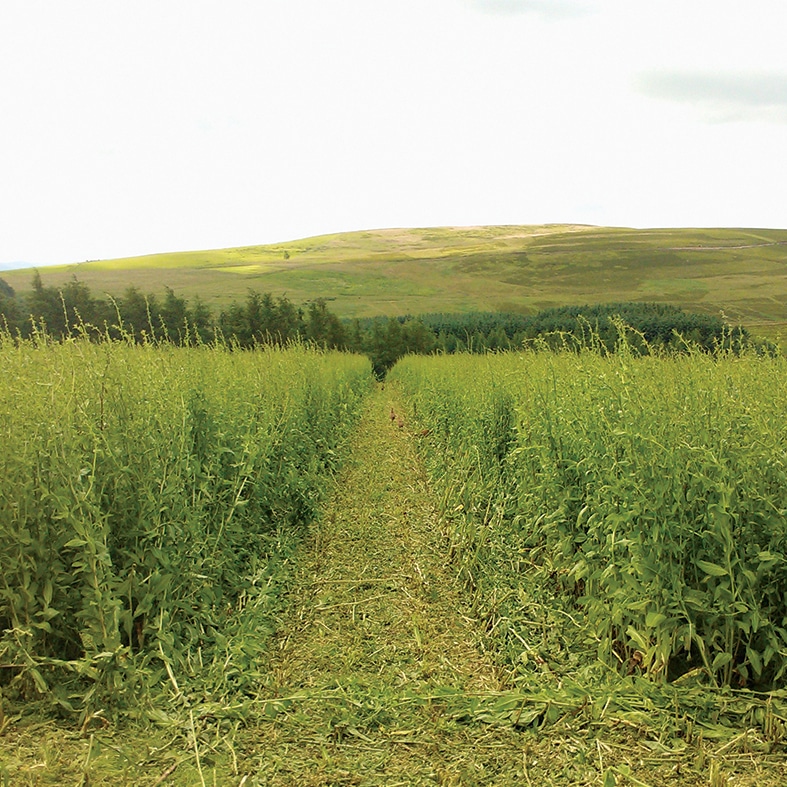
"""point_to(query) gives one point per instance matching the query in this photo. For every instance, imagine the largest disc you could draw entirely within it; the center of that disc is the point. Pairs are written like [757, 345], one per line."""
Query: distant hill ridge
[741, 272]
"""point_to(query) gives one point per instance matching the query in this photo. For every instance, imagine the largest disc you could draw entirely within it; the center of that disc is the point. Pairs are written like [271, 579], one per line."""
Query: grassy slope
[518, 268]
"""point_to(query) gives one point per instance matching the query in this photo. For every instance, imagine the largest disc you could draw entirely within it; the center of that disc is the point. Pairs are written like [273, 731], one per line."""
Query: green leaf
[712, 569]
[654, 619]
[75, 542]
[39, 681]
[754, 659]
[640, 641]
[721, 660]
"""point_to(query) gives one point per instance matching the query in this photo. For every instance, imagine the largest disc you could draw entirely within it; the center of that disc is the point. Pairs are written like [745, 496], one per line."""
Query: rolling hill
[742, 272]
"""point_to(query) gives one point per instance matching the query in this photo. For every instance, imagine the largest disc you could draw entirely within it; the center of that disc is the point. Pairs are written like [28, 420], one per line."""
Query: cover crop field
[646, 494]
[260, 567]
[148, 495]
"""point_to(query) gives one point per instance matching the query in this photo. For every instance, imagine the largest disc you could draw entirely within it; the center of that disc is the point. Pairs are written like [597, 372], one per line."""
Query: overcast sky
[159, 125]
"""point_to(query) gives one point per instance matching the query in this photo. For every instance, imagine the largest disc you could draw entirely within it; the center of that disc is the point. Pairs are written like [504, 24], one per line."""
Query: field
[510, 268]
[264, 568]
[147, 494]
[646, 494]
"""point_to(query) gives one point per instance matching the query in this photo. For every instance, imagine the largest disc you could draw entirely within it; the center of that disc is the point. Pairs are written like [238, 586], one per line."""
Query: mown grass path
[375, 644]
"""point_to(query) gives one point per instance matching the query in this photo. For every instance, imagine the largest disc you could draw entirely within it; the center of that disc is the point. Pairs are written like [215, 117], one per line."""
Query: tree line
[261, 318]
[72, 310]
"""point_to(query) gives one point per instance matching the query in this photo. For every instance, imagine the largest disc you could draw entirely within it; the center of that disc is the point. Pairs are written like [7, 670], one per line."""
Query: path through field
[376, 658]
[378, 676]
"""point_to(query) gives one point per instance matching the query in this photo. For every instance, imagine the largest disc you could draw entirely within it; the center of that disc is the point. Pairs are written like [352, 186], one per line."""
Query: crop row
[146, 494]
[646, 498]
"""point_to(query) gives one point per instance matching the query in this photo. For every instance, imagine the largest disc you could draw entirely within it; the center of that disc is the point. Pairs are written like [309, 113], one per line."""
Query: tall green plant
[145, 491]
[647, 495]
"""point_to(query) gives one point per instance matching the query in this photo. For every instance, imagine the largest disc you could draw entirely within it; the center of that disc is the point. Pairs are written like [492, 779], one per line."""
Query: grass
[372, 641]
[152, 496]
[647, 494]
[520, 268]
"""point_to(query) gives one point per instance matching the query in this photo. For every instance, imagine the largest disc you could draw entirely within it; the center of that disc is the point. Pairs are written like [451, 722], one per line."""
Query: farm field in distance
[265, 568]
[742, 272]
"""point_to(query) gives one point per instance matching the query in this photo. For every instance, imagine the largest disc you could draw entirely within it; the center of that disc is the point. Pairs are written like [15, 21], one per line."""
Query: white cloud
[545, 8]
[722, 97]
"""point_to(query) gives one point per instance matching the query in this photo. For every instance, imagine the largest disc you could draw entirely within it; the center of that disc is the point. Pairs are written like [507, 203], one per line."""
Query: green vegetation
[72, 311]
[264, 320]
[653, 327]
[620, 517]
[372, 652]
[520, 269]
[150, 494]
[565, 563]
[381, 672]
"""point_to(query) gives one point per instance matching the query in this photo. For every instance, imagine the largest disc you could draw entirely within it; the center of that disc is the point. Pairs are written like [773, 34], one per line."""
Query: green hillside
[742, 272]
